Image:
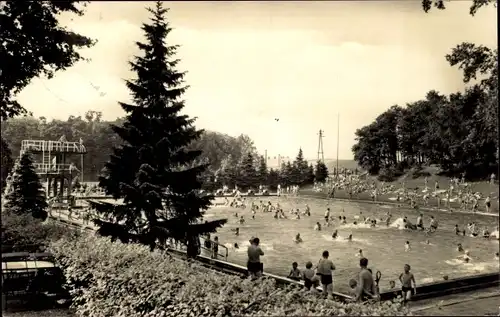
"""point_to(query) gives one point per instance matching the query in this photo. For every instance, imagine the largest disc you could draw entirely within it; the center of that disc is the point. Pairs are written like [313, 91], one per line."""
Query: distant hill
[330, 163]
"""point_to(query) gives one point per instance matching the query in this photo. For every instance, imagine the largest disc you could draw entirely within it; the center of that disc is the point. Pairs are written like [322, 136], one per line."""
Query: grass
[483, 187]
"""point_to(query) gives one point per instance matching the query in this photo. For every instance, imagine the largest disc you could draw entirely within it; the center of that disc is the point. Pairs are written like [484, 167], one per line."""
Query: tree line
[252, 171]
[99, 139]
[458, 133]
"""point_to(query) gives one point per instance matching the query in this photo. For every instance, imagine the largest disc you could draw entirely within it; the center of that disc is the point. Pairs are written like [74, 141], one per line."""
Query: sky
[250, 63]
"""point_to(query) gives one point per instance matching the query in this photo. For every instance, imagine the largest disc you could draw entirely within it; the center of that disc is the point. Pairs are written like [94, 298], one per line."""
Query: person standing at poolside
[366, 288]
[254, 266]
[325, 270]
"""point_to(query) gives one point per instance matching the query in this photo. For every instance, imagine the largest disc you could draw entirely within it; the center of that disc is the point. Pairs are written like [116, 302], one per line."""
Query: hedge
[23, 232]
[114, 279]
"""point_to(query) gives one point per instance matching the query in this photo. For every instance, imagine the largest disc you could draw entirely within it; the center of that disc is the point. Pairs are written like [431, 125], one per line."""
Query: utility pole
[320, 146]
[338, 137]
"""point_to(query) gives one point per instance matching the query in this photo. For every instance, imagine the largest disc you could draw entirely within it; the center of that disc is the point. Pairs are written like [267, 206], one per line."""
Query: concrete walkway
[475, 303]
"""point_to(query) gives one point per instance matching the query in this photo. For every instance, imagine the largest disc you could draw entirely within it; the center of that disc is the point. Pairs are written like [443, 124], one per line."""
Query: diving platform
[54, 164]
[53, 169]
[55, 147]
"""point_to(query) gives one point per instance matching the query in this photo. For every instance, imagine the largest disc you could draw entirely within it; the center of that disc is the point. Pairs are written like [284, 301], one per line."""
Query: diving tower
[52, 165]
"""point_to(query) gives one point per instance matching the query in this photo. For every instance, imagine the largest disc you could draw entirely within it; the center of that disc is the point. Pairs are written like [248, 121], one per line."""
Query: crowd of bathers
[458, 192]
[310, 275]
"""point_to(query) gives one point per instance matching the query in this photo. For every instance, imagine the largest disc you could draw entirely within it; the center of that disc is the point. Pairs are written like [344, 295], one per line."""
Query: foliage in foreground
[114, 279]
[34, 43]
[24, 230]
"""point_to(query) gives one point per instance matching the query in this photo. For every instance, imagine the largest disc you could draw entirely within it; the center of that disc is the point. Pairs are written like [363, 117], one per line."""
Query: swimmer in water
[236, 246]
[433, 225]
[242, 220]
[486, 233]
[407, 246]
[335, 234]
[349, 238]
[237, 231]
[427, 241]
[344, 220]
[420, 222]
[327, 214]
[308, 210]
[298, 239]
[496, 255]
[317, 227]
[465, 257]
[360, 254]
[460, 248]
[388, 220]
[457, 230]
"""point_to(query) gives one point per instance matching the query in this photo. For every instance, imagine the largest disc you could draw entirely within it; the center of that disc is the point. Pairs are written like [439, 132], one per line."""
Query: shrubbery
[389, 174]
[19, 232]
[114, 279]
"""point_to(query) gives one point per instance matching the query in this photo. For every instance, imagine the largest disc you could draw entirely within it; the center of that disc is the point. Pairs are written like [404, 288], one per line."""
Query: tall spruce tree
[262, 172]
[310, 175]
[153, 171]
[27, 195]
[321, 172]
[248, 177]
[300, 169]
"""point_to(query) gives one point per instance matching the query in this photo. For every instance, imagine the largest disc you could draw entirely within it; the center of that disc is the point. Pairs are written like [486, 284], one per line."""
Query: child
[407, 246]
[308, 276]
[295, 272]
[360, 254]
[407, 279]
[335, 234]
[298, 239]
[317, 227]
[215, 247]
[325, 270]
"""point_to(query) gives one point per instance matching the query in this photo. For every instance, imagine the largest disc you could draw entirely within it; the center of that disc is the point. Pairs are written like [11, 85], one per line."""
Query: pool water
[383, 246]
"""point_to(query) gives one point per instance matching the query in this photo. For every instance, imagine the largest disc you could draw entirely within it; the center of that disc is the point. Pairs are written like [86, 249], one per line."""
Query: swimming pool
[383, 246]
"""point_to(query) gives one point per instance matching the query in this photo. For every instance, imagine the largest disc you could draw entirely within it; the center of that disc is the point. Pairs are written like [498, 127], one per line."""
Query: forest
[232, 160]
[458, 133]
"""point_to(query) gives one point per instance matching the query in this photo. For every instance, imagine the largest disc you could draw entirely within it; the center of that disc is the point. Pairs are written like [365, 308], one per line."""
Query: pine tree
[152, 170]
[286, 174]
[27, 195]
[262, 171]
[300, 169]
[310, 175]
[321, 172]
[248, 176]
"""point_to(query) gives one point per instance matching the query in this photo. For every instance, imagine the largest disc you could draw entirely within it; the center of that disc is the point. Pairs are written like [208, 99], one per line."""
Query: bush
[21, 231]
[417, 172]
[114, 279]
[389, 174]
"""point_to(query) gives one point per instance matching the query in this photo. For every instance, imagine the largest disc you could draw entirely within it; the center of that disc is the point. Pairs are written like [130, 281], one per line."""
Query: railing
[210, 250]
[47, 168]
[52, 146]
